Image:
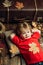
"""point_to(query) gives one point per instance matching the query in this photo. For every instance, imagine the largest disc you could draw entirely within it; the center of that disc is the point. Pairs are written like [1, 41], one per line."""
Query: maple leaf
[7, 3]
[19, 5]
[13, 49]
[33, 48]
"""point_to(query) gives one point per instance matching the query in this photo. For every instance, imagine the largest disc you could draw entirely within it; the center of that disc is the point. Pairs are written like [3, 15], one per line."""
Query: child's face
[26, 33]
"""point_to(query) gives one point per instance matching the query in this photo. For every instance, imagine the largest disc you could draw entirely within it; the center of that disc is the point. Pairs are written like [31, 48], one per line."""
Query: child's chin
[27, 37]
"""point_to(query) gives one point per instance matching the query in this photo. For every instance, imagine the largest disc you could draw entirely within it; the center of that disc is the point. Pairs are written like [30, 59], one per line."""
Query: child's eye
[28, 32]
[23, 33]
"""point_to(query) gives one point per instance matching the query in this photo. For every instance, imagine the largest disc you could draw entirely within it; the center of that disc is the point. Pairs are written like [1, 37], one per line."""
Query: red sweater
[29, 48]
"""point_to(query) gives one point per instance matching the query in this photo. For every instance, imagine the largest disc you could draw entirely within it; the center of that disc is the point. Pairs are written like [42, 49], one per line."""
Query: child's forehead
[24, 29]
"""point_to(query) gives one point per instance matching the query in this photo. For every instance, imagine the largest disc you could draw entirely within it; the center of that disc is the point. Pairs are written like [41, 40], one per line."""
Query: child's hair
[22, 25]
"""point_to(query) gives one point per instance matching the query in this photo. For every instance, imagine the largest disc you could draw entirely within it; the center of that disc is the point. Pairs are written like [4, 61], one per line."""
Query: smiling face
[25, 33]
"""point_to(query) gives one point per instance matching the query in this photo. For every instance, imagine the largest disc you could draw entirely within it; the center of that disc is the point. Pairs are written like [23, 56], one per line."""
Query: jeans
[39, 63]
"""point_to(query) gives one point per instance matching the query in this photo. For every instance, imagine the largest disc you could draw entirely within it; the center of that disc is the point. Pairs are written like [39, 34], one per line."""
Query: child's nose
[26, 34]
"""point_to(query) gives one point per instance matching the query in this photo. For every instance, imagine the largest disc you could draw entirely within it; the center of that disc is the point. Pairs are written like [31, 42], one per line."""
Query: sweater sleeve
[36, 34]
[14, 39]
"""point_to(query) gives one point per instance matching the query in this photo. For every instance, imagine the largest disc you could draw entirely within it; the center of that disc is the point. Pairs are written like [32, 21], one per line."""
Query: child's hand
[12, 35]
[36, 30]
[34, 24]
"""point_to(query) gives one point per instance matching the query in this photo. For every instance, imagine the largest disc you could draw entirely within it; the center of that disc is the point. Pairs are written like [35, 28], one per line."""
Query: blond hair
[22, 25]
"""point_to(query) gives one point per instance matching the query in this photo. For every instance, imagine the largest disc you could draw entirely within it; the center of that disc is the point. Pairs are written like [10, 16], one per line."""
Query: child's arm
[36, 33]
[13, 47]
[14, 39]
